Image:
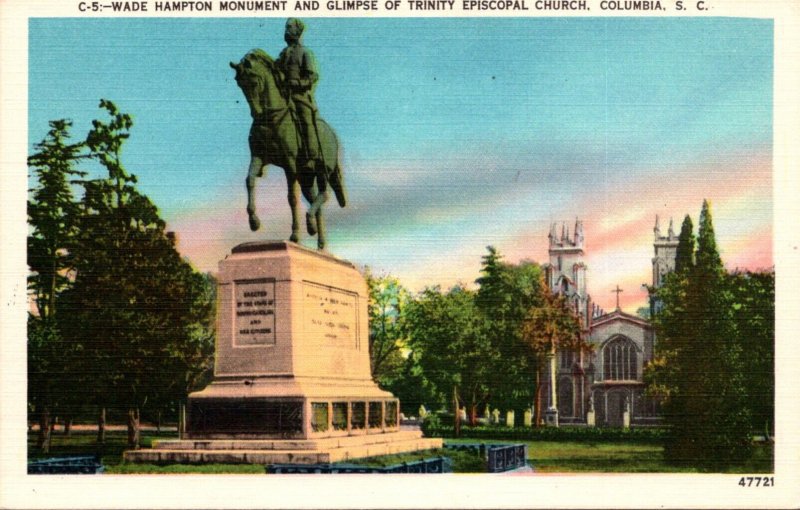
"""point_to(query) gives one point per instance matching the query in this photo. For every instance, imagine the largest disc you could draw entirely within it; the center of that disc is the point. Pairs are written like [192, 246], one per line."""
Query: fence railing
[499, 457]
[435, 465]
[66, 466]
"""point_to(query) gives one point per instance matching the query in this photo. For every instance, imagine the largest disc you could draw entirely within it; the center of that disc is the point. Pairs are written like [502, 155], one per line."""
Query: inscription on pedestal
[255, 312]
[330, 313]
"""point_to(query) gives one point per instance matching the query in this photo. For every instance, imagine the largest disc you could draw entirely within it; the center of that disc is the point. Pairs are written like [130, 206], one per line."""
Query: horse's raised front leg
[294, 199]
[256, 169]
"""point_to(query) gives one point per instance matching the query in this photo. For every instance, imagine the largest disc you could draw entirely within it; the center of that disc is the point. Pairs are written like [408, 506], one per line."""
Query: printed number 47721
[757, 481]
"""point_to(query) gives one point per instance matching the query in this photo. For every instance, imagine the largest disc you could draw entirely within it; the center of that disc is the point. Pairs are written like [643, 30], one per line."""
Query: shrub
[431, 423]
[580, 434]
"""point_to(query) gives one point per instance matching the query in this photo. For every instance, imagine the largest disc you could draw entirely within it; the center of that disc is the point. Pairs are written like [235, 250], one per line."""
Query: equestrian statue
[287, 131]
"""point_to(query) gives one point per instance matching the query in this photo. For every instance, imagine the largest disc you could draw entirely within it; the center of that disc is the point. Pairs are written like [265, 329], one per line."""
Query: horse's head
[257, 76]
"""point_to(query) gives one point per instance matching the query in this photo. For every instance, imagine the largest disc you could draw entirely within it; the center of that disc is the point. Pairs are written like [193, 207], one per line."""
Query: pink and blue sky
[457, 133]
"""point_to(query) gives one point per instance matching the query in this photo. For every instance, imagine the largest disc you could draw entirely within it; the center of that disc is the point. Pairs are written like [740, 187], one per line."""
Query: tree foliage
[134, 320]
[684, 255]
[488, 347]
[550, 327]
[387, 302]
[754, 315]
[52, 212]
[710, 326]
[506, 294]
[52, 215]
[448, 336]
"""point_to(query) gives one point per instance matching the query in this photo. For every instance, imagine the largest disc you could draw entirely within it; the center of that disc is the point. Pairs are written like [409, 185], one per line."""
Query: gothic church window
[565, 397]
[566, 359]
[619, 360]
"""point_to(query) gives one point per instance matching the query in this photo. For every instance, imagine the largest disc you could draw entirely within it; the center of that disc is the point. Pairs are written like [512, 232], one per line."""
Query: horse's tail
[332, 159]
[337, 183]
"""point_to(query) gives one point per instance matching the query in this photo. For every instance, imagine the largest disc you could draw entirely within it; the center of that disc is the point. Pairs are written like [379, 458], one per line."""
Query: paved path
[85, 427]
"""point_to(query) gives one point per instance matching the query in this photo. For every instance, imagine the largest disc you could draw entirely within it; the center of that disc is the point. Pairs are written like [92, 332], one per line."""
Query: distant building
[610, 378]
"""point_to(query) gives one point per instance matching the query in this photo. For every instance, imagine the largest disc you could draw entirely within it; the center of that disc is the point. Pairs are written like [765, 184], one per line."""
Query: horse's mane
[264, 57]
[271, 65]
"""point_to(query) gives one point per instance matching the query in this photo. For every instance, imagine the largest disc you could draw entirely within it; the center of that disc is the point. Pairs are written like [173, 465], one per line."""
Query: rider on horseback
[300, 71]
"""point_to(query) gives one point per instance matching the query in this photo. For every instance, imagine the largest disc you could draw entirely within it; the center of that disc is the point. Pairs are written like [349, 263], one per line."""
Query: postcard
[548, 238]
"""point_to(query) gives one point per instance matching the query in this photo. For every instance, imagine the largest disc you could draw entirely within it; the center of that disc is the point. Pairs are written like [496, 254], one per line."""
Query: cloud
[427, 219]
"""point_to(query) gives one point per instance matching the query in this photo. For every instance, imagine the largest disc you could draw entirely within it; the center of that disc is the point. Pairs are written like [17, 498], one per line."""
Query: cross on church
[617, 291]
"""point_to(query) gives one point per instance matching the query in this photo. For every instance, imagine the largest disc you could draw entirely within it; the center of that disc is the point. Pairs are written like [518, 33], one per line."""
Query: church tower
[603, 386]
[666, 248]
[566, 271]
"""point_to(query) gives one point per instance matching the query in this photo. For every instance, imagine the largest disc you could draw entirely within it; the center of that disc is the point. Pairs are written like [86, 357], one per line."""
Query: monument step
[256, 456]
[284, 444]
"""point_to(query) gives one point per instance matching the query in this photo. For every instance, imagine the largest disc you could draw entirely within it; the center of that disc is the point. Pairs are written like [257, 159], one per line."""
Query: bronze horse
[274, 140]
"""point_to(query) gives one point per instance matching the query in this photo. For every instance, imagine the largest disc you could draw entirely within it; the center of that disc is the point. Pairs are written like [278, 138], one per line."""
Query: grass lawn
[85, 443]
[618, 457]
[462, 462]
[544, 456]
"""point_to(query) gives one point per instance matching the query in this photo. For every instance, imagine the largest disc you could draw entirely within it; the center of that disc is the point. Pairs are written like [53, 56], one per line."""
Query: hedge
[564, 433]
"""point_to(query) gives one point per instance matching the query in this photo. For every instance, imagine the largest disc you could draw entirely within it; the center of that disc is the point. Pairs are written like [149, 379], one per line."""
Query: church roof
[619, 315]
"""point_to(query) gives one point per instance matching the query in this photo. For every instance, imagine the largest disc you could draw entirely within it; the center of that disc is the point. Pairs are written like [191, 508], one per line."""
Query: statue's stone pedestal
[292, 374]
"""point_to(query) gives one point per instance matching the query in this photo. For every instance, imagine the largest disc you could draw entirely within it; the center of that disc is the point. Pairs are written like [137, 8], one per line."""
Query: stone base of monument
[288, 451]
[292, 377]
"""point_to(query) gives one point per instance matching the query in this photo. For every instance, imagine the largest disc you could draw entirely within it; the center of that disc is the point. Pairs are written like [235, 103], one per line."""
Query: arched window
[567, 358]
[565, 397]
[619, 360]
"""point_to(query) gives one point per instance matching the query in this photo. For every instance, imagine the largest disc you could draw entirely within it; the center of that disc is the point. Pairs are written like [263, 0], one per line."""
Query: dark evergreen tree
[684, 256]
[494, 283]
[707, 258]
[754, 313]
[506, 294]
[699, 367]
[52, 216]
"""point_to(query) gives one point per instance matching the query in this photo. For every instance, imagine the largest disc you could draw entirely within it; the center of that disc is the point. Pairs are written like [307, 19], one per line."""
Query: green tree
[448, 336]
[673, 330]
[413, 388]
[45, 374]
[550, 327]
[52, 213]
[506, 293]
[707, 258]
[140, 312]
[669, 311]
[387, 303]
[700, 367]
[754, 313]
[684, 255]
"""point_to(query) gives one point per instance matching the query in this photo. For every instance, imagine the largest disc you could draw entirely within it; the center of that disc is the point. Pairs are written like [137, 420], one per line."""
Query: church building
[604, 387]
